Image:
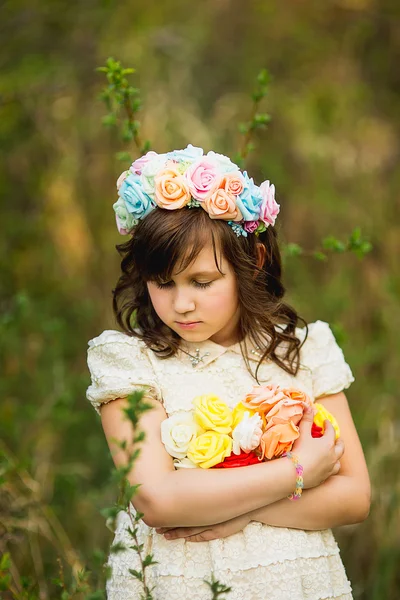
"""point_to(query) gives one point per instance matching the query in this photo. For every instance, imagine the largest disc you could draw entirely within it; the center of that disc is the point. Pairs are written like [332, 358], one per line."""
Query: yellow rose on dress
[209, 449]
[212, 414]
[322, 414]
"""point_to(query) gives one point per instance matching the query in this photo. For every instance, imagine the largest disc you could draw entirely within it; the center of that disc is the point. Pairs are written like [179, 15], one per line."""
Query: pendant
[195, 360]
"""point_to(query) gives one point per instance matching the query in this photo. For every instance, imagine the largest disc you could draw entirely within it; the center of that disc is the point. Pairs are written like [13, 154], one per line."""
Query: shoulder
[321, 354]
[111, 341]
[315, 337]
[110, 336]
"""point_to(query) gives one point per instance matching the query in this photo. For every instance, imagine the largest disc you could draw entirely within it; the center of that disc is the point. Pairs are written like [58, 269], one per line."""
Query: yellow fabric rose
[322, 414]
[212, 414]
[209, 449]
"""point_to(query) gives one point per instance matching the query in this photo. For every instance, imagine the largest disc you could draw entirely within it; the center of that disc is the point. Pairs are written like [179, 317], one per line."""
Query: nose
[183, 301]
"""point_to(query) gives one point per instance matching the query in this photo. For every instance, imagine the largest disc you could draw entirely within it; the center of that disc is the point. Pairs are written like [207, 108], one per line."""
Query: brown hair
[168, 238]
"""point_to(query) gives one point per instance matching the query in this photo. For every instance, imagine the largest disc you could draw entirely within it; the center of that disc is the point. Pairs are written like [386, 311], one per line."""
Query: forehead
[206, 260]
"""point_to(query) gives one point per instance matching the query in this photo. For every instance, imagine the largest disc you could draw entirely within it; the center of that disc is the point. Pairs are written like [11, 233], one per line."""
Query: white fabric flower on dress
[246, 436]
[177, 432]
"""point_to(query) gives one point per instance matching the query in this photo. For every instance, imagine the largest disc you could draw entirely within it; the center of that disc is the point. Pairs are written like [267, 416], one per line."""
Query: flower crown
[188, 178]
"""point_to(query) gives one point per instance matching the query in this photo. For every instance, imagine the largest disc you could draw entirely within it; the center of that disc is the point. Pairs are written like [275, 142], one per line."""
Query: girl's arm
[341, 500]
[169, 498]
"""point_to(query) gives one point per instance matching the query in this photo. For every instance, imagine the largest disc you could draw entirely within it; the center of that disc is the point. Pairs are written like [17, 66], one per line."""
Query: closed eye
[168, 284]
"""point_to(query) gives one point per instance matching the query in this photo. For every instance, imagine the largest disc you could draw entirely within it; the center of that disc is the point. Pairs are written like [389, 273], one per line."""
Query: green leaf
[261, 119]
[149, 561]
[136, 574]
[111, 511]
[123, 156]
[146, 147]
[292, 249]
[320, 255]
[263, 78]
[109, 120]
[137, 548]
[332, 243]
[5, 561]
[117, 547]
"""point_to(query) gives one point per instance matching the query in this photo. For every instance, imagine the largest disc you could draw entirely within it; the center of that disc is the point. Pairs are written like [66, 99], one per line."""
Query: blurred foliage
[330, 148]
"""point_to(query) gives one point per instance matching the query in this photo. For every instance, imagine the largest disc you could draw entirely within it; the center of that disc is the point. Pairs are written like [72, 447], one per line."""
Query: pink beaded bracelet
[299, 480]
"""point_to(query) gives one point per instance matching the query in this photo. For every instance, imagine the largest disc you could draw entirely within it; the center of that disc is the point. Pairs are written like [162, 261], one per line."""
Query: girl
[201, 279]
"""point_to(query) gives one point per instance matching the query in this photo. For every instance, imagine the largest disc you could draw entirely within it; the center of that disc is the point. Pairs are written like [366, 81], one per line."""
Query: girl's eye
[162, 286]
[168, 284]
[202, 285]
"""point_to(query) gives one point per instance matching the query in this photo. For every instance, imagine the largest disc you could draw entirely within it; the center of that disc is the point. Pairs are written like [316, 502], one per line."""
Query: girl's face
[200, 303]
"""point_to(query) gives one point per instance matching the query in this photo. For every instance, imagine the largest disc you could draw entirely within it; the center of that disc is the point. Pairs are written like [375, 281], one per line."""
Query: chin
[193, 336]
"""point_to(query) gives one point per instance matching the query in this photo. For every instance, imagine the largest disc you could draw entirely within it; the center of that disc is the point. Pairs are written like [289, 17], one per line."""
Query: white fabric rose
[185, 463]
[246, 436]
[177, 432]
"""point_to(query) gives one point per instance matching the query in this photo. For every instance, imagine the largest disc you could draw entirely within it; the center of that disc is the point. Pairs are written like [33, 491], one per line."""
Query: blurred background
[331, 150]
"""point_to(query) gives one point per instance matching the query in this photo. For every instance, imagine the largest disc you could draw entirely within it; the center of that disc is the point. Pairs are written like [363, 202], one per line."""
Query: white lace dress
[261, 562]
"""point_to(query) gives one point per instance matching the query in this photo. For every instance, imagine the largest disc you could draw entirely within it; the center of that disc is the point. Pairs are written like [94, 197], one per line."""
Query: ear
[261, 254]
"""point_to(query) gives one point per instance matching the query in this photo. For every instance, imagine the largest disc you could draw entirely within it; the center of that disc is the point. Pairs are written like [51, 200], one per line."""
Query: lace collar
[201, 354]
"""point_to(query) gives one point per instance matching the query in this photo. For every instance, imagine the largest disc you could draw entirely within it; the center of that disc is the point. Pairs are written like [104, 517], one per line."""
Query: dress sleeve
[118, 366]
[330, 372]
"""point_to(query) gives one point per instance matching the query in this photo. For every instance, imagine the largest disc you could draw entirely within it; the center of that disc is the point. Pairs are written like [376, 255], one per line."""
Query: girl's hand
[320, 457]
[206, 533]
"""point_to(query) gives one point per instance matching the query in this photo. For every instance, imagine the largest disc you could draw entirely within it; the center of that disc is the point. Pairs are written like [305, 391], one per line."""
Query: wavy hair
[167, 239]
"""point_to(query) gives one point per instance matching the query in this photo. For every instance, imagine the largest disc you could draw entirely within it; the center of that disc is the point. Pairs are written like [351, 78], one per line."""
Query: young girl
[200, 305]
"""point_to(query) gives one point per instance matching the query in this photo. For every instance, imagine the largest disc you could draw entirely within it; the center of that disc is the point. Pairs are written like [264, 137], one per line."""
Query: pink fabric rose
[269, 207]
[137, 166]
[263, 397]
[250, 226]
[203, 178]
[221, 205]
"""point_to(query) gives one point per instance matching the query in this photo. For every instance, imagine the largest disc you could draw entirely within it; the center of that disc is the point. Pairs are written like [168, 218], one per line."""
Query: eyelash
[162, 286]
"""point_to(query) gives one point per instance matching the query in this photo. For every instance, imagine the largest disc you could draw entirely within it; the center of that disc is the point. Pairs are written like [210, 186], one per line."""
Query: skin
[340, 500]
[200, 293]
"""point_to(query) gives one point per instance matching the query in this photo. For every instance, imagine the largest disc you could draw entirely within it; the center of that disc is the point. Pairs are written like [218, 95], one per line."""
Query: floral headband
[188, 178]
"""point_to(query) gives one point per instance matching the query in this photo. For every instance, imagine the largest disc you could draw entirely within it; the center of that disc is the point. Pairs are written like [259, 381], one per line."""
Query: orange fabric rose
[233, 183]
[171, 189]
[285, 411]
[221, 205]
[299, 395]
[278, 439]
[263, 397]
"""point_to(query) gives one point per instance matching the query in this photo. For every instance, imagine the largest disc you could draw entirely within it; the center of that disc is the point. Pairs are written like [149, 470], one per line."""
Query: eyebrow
[202, 273]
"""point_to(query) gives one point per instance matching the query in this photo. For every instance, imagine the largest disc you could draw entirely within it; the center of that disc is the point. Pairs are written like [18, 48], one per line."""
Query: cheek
[158, 299]
[225, 299]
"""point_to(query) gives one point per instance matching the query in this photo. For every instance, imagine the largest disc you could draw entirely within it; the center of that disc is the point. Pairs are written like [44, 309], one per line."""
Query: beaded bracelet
[299, 480]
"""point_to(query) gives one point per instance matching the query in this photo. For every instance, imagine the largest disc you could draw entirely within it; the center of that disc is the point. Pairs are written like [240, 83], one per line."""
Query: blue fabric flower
[138, 203]
[250, 200]
[189, 155]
